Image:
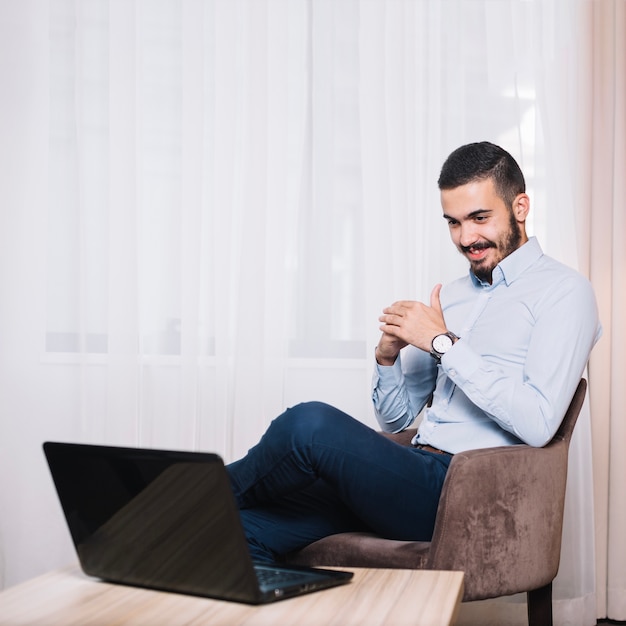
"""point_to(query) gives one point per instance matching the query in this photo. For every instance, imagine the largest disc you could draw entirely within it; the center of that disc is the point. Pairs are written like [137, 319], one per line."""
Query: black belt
[428, 448]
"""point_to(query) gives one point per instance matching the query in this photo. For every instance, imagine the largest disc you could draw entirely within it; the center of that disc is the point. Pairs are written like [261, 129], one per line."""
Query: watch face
[442, 343]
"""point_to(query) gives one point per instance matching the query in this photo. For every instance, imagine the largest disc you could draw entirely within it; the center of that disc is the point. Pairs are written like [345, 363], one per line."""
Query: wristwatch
[441, 344]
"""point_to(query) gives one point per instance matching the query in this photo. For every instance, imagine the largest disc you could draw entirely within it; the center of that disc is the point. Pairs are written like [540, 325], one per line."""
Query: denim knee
[301, 423]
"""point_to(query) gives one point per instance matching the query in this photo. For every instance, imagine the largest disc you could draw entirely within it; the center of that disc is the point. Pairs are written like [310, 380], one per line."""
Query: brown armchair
[499, 520]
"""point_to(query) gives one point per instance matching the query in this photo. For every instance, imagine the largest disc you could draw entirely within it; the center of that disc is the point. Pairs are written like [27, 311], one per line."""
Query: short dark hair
[479, 161]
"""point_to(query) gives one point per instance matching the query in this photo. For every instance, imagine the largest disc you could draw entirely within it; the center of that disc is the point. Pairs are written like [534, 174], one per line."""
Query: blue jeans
[317, 471]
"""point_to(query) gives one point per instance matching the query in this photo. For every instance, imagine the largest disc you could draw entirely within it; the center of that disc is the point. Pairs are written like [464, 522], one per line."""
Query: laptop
[166, 520]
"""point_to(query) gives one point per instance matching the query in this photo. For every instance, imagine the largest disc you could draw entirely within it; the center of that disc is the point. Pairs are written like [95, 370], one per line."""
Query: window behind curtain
[323, 270]
[323, 261]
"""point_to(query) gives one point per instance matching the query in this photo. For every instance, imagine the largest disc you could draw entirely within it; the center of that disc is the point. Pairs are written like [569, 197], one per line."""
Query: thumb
[435, 302]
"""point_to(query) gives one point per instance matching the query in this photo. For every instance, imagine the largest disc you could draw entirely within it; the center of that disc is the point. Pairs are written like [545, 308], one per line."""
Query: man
[500, 353]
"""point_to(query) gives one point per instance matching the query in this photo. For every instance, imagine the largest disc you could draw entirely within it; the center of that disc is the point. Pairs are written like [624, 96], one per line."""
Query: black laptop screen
[152, 518]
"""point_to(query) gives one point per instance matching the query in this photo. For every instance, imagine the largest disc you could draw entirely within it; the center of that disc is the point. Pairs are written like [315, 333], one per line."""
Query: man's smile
[478, 251]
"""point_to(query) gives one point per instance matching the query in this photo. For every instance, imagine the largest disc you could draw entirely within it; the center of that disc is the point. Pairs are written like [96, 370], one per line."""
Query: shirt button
[452, 372]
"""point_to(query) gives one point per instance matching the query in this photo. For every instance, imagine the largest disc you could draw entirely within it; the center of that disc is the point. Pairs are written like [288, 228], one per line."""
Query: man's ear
[521, 207]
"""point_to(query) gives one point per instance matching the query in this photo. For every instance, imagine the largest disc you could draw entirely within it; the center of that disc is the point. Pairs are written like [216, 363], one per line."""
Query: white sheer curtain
[207, 203]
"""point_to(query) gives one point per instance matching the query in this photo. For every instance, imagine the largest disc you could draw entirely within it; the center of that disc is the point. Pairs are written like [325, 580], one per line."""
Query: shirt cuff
[389, 373]
[461, 363]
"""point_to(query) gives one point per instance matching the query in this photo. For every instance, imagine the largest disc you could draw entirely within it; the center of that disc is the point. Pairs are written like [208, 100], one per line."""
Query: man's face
[482, 227]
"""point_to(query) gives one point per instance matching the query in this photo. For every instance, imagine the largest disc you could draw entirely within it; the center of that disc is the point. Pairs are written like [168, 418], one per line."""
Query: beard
[505, 245]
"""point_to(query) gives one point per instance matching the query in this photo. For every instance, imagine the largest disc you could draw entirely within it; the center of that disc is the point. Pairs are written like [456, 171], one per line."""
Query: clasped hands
[408, 322]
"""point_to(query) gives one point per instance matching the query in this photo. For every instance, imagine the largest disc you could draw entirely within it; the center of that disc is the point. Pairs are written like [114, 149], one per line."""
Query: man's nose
[468, 234]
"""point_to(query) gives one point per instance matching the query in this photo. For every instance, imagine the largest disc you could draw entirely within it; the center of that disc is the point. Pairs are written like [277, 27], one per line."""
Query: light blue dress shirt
[524, 343]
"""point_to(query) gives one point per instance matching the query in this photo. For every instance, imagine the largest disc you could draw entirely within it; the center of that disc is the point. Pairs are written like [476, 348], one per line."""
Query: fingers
[411, 311]
[398, 308]
[412, 322]
[399, 313]
[388, 322]
[404, 304]
[402, 308]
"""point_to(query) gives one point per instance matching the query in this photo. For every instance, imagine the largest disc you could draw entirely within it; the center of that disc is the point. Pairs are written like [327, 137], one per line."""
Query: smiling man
[511, 339]
[498, 353]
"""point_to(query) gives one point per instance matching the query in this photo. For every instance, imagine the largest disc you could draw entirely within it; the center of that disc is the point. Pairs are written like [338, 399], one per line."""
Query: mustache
[483, 245]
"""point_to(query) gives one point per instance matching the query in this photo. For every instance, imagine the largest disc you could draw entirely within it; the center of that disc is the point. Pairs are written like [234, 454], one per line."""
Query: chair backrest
[571, 416]
[500, 515]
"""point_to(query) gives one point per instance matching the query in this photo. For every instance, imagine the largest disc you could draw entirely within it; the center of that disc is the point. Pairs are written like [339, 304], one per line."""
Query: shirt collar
[514, 265]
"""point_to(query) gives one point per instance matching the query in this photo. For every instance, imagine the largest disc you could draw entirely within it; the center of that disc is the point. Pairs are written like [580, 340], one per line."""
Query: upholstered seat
[499, 520]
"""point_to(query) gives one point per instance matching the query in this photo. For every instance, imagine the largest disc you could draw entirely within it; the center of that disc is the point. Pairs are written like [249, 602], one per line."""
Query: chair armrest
[505, 533]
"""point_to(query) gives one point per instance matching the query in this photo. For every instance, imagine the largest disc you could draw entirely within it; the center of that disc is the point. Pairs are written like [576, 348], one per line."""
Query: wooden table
[67, 597]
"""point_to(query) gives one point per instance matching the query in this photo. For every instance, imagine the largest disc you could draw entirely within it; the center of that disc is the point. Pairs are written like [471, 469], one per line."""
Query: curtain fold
[230, 191]
[608, 264]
